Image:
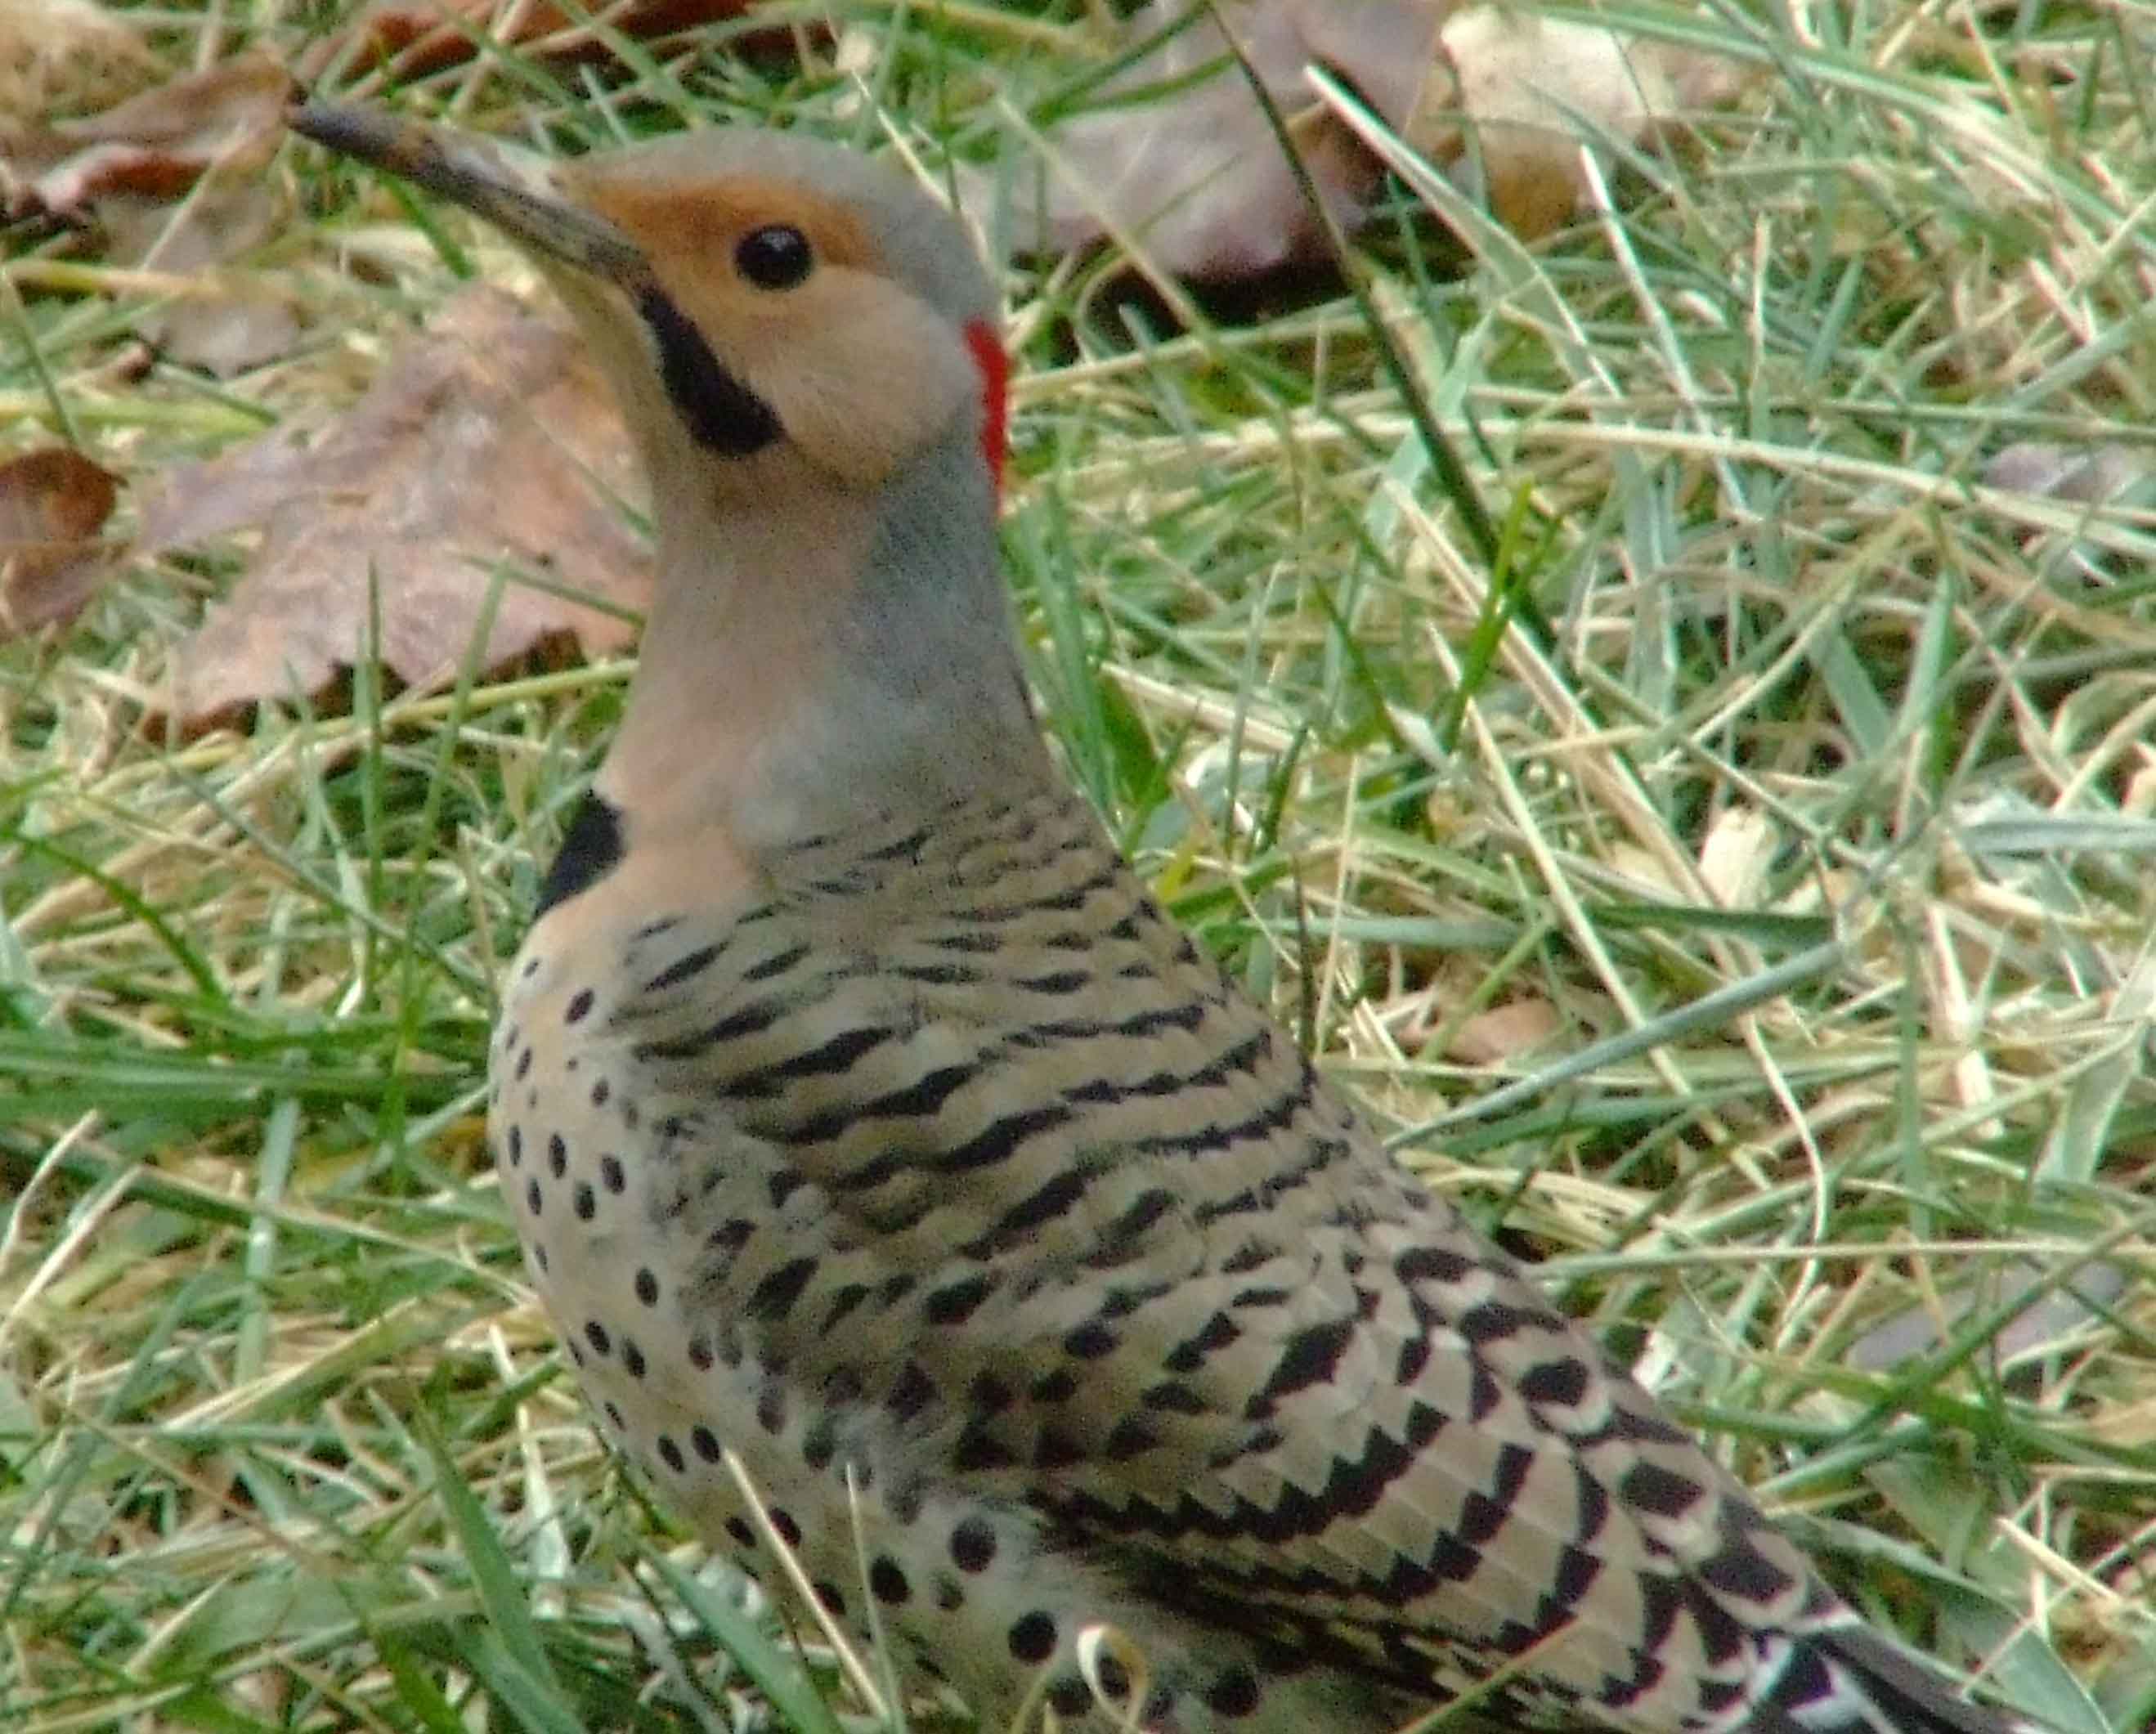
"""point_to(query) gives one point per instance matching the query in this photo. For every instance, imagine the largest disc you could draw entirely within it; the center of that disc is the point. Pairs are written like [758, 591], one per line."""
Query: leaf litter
[489, 444]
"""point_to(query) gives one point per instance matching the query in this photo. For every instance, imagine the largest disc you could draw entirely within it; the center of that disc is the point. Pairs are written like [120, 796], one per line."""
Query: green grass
[1768, 761]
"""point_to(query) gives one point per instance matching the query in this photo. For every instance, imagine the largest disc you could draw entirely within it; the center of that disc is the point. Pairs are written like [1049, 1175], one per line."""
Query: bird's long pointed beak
[512, 189]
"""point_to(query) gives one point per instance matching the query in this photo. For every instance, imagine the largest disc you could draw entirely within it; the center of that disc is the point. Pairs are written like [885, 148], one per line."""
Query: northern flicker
[862, 1113]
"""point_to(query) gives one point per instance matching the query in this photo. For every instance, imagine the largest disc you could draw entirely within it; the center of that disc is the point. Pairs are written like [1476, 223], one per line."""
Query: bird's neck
[817, 660]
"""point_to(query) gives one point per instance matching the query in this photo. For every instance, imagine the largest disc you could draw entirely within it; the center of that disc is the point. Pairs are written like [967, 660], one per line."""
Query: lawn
[1652, 708]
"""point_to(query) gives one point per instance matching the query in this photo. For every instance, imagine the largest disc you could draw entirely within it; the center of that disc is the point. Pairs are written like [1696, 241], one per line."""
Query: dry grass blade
[1822, 825]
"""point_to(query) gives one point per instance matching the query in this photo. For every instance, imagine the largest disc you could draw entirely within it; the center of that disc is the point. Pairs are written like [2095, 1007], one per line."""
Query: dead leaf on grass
[1735, 858]
[1176, 153]
[2079, 1305]
[2103, 478]
[174, 177]
[1532, 90]
[240, 323]
[1195, 175]
[52, 503]
[156, 145]
[2088, 474]
[59, 55]
[490, 440]
[1505, 1032]
[411, 37]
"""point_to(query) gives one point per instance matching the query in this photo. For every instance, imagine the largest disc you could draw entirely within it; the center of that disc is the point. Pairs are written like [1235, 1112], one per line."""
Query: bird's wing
[1084, 1222]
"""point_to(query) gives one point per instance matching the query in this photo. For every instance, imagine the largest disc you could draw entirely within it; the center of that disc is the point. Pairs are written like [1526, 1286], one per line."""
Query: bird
[868, 1125]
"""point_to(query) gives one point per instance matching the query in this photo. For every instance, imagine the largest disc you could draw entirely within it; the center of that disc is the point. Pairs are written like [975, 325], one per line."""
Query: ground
[1721, 711]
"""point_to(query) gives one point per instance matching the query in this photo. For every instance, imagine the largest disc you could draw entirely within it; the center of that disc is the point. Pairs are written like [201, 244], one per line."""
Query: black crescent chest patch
[590, 851]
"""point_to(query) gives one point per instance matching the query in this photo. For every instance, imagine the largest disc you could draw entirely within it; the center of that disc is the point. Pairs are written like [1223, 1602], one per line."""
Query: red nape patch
[988, 357]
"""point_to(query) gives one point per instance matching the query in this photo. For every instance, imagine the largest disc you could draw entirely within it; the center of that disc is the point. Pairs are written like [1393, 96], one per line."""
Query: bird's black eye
[776, 256]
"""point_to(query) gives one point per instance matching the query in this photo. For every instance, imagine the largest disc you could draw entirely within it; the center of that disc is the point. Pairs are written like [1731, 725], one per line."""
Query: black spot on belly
[972, 1545]
[1234, 1694]
[887, 1581]
[1032, 1637]
[590, 851]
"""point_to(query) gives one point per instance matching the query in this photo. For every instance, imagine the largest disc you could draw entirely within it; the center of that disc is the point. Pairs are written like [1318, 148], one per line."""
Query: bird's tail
[1848, 1680]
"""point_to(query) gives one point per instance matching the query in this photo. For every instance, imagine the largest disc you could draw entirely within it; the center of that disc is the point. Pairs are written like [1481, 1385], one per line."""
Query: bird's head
[805, 347]
[782, 293]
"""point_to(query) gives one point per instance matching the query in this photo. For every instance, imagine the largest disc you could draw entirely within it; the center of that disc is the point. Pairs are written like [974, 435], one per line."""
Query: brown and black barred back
[943, 1158]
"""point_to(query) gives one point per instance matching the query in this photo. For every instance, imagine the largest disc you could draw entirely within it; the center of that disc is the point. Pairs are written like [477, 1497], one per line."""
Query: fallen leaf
[2107, 477]
[174, 177]
[2139, 799]
[59, 55]
[410, 38]
[52, 503]
[1194, 174]
[156, 145]
[1176, 153]
[1734, 858]
[491, 440]
[2092, 475]
[1645, 868]
[1505, 1032]
[2049, 1320]
[236, 322]
[1532, 90]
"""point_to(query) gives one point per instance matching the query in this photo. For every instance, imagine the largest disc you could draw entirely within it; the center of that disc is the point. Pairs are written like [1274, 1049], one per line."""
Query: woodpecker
[866, 1123]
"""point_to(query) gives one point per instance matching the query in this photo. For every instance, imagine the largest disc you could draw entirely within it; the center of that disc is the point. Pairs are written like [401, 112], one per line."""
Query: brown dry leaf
[1196, 177]
[2104, 478]
[60, 55]
[417, 37]
[490, 440]
[52, 503]
[156, 145]
[2089, 474]
[2139, 800]
[174, 176]
[1534, 89]
[2048, 1320]
[1733, 861]
[1505, 1032]
[240, 323]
